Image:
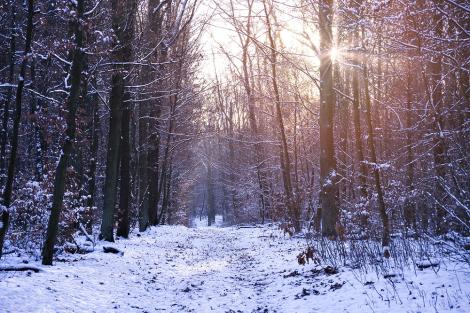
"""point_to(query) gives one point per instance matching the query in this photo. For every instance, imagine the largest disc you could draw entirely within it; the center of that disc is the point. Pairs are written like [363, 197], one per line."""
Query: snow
[222, 269]
[202, 221]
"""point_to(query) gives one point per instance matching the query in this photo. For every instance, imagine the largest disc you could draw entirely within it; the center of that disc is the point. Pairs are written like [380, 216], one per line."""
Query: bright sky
[221, 34]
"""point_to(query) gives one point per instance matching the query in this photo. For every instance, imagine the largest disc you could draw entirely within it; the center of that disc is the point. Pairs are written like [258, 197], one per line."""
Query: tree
[291, 203]
[125, 182]
[6, 105]
[328, 203]
[357, 121]
[8, 190]
[376, 167]
[123, 21]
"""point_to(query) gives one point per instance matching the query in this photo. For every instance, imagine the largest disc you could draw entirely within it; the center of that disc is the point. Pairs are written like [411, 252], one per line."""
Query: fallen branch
[427, 263]
[88, 236]
[19, 268]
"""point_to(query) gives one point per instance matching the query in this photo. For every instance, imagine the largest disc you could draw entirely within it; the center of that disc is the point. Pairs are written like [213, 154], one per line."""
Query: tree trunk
[112, 157]
[143, 169]
[125, 187]
[344, 125]
[166, 154]
[123, 26]
[435, 65]
[6, 105]
[378, 185]
[293, 208]
[61, 170]
[94, 136]
[210, 196]
[357, 124]
[328, 187]
[8, 189]
[166, 196]
[37, 142]
[155, 19]
[409, 209]
[153, 168]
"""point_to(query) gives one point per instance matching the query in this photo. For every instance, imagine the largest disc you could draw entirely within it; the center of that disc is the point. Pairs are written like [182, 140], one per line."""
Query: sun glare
[334, 53]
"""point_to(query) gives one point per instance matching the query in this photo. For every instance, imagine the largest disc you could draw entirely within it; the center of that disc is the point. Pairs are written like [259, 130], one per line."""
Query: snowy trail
[179, 269]
[174, 269]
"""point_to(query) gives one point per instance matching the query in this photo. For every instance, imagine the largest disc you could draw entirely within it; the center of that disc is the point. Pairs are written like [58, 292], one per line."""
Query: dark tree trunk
[409, 209]
[153, 168]
[166, 156]
[210, 196]
[166, 196]
[61, 170]
[143, 169]
[328, 187]
[112, 157]
[123, 26]
[357, 125]
[155, 19]
[373, 156]
[436, 99]
[94, 136]
[37, 142]
[125, 187]
[8, 189]
[6, 104]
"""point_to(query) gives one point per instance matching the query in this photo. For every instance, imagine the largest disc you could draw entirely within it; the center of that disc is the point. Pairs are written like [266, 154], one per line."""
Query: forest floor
[221, 269]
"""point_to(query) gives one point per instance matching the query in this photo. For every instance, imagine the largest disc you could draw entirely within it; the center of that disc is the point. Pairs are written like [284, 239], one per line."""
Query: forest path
[216, 269]
[166, 269]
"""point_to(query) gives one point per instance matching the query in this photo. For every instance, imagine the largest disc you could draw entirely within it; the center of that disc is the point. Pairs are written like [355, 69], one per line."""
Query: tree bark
[293, 208]
[61, 170]
[210, 196]
[143, 169]
[409, 209]
[6, 105]
[155, 19]
[123, 26]
[435, 65]
[8, 189]
[378, 185]
[328, 186]
[357, 124]
[91, 176]
[125, 183]
[112, 157]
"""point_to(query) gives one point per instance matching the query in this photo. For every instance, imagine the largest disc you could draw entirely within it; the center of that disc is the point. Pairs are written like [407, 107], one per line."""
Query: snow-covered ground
[222, 269]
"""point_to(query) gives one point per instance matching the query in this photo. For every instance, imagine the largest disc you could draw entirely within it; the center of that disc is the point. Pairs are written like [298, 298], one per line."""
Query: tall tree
[328, 201]
[125, 182]
[6, 102]
[357, 119]
[292, 204]
[376, 167]
[123, 26]
[72, 105]
[143, 167]
[437, 103]
[8, 189]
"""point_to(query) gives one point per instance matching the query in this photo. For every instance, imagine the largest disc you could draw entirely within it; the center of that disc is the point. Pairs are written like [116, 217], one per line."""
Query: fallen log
[88, 236]
[19, 268]
[427, 263]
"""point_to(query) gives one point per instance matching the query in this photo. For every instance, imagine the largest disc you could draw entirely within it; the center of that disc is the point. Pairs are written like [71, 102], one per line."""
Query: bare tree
[328, 202]
[8, 190]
